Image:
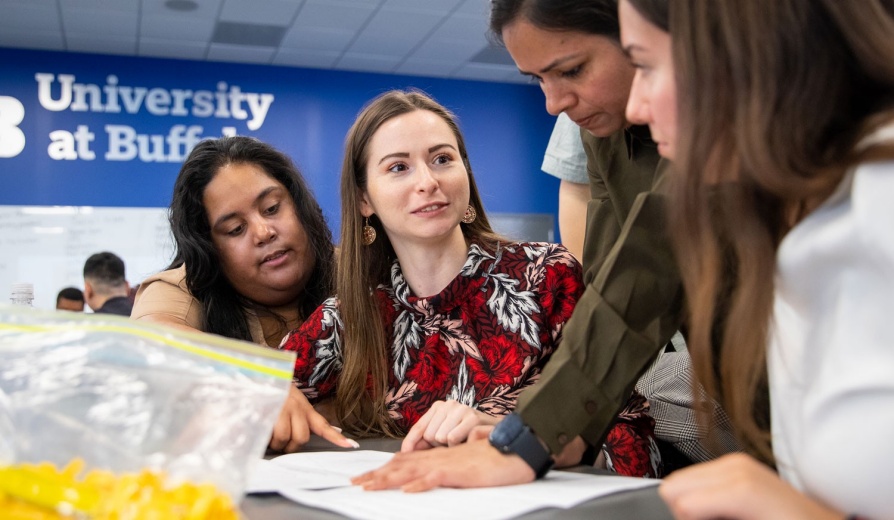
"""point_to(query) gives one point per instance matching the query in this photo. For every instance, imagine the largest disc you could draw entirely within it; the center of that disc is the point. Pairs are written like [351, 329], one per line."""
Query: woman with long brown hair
[438, 319]
[779, 117]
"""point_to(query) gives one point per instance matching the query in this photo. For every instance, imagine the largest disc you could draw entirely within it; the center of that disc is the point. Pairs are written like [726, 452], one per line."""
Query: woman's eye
[273, 209]
[572, 73]
[235, 231]
[398, 167]
[442, 159]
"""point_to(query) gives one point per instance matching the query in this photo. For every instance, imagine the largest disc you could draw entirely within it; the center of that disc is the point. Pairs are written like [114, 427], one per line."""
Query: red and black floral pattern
[480, 341]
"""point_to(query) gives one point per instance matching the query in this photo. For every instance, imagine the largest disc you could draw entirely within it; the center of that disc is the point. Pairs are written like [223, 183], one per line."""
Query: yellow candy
[43, 492]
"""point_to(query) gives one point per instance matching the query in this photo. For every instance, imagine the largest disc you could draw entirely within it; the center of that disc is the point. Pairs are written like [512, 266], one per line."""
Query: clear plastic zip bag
[126, 397]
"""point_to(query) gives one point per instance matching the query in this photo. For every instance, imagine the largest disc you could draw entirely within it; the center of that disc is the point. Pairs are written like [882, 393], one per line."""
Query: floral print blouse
[480, 341]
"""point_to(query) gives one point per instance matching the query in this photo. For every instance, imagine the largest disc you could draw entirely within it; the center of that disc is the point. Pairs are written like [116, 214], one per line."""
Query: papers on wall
[322, 479]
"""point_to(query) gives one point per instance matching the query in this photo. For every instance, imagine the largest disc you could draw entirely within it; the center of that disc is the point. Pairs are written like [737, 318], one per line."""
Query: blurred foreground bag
[125, 397]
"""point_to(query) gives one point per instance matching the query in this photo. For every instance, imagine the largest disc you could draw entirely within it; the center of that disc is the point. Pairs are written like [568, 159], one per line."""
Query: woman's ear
[366, 208]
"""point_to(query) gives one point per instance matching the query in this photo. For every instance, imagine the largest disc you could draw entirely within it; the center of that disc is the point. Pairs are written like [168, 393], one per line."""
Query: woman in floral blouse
[492, 310]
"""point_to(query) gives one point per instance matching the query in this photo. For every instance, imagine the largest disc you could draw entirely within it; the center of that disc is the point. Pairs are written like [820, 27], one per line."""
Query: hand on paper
[473, 464]
[738, 487]
[446, 423]
[298, 420]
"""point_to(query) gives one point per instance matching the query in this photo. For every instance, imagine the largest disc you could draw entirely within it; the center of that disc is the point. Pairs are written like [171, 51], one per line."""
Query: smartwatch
[512, 436]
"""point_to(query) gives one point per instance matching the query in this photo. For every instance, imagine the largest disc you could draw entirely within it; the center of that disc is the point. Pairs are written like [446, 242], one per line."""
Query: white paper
[314, 470]
[313, 479]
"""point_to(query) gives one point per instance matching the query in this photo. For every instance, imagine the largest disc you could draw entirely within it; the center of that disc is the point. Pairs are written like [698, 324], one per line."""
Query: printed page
[313, 479]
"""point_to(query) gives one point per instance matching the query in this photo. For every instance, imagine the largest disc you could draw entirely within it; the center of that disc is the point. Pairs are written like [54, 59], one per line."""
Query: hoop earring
[470, 215]
[368, 236]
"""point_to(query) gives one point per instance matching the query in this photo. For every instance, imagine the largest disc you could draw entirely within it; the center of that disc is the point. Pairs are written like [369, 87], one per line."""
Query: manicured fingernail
[353, 443]
[336, 428]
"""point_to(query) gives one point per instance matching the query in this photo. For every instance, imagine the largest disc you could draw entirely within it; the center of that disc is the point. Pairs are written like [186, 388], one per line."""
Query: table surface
[637, 504]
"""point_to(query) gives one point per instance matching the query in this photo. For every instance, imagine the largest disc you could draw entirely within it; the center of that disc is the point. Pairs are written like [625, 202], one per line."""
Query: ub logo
[12, 139]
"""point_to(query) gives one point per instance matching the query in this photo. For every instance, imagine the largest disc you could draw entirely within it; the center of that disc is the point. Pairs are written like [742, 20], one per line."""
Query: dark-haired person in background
[105, 284]
[70, 299]
[254, 255]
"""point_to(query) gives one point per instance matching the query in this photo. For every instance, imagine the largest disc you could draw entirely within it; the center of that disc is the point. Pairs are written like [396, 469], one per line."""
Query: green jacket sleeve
[628, 311]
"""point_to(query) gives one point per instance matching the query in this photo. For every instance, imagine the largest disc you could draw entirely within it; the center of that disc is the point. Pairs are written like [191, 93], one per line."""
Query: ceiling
[437, 38]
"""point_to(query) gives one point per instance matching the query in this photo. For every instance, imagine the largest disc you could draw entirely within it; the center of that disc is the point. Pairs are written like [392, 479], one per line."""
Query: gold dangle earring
[470, 215]
[369, 233]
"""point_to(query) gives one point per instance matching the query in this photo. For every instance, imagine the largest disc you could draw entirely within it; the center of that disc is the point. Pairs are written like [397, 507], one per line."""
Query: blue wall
[505, 125]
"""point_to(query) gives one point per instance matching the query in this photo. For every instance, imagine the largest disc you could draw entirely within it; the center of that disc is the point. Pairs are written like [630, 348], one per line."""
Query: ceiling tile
[479, 8]
[103, 44]
[169, 48]
[395, 33]
[439, 69]
[240, 53]
[441, 7]
[205, 9]
[272, 12]
[333, 15]
[317, 39]
[161, 26]
[485, 72]
[461, 27]
[26, 16]
[104, 5]
[115, 23]
[367, 62]
[303, 58]
[31, 39]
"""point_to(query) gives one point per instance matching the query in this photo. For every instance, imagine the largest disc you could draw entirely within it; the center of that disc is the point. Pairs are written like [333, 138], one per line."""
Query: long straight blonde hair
[363, 382]
[774, 96]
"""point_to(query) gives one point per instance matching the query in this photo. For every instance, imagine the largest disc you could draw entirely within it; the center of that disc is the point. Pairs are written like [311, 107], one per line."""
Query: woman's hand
[298, 420]
[446, 423]
[737, 487]
[473, 464]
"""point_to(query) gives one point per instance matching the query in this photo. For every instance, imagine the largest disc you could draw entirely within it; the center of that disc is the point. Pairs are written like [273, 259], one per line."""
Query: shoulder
[872, 207]
[175, 277]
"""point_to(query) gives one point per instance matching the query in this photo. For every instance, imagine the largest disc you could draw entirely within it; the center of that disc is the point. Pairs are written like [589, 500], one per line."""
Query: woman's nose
[558, 98]
[264, 232]
[637, 111]
[425, 179]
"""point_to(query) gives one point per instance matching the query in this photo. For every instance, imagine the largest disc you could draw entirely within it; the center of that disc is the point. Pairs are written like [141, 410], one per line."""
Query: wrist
[512, 436]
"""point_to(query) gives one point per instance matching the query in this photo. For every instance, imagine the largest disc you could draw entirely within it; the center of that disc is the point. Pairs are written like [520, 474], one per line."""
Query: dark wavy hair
[222, 306]
[598, 17]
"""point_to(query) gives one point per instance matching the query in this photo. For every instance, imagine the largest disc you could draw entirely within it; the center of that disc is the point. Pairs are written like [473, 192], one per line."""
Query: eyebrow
[555, 63]
[259, 198]
[405, 155]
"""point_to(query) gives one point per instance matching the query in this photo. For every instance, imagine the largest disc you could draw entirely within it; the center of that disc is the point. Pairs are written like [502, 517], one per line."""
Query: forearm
[627, 313]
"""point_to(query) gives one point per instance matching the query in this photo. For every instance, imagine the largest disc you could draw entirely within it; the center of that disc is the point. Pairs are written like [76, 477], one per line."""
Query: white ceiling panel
[175, 28]
[239, 53]
[308, 38]
[102, 44]
[102, 5]
[30, 39]
[367, 62]
[206, 9]
[114, 23]
[164, 48]
[26, 16]
[395, 33]
[334, 16]
[269, 12]
[439, 38]
[303, 58]
[440, 7]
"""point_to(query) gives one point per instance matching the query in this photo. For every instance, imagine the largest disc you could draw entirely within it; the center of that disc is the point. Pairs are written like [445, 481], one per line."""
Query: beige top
[164, 297]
